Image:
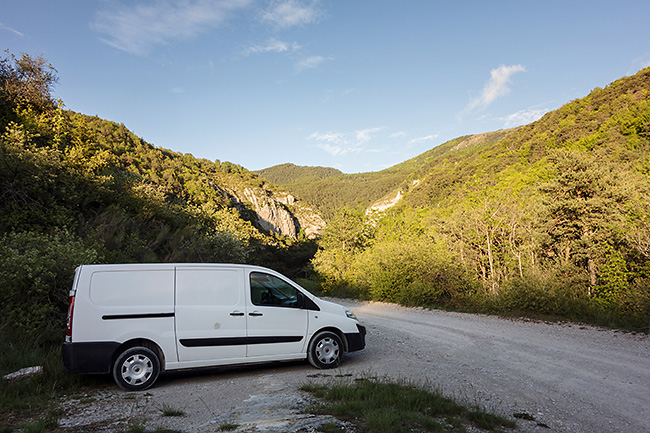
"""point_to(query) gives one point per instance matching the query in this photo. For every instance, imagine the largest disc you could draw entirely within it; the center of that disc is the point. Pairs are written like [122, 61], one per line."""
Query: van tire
[325, 350]
[136, 369]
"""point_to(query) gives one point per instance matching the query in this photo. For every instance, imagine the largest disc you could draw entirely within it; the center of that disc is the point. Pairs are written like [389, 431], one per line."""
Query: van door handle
[255, 313]
[236, 313]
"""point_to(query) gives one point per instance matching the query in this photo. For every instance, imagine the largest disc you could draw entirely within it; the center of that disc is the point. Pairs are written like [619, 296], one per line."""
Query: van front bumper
[356, 340]
[91, 357]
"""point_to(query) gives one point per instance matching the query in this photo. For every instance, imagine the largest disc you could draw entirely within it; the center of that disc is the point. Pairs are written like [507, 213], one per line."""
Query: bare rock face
[310, 222]
[279, 213]
[385, 204]
[272, 214]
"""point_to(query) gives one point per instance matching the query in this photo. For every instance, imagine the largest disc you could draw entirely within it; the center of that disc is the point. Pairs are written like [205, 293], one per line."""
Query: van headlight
[350, 314]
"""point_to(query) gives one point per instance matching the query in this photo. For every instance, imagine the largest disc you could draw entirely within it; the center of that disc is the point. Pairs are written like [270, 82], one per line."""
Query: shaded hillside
[548, 218]
[77, 189]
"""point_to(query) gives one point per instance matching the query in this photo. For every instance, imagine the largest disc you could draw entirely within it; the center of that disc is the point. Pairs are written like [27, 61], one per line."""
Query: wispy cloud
[6, 27]
[291, 13]
[496, 87]
[272, 46]
[423, 139]
[342, 143]
[368, 140]
[138, 28]
[310, 62]
[640, 63]
[523, 117]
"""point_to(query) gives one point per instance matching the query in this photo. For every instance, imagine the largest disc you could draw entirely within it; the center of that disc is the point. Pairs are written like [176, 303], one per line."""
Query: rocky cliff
[277, 212]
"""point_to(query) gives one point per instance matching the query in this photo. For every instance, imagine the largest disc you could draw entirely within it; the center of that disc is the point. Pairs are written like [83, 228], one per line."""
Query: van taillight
[68, 332]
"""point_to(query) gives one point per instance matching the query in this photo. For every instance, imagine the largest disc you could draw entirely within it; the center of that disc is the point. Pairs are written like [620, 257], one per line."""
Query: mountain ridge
[375, 187]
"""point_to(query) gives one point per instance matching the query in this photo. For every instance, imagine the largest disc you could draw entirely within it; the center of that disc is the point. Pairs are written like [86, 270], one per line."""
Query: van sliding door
[210, 314]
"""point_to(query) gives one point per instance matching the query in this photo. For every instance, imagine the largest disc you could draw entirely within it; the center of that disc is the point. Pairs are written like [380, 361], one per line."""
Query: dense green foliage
[550, 218]
[77, 189]
[291, 174]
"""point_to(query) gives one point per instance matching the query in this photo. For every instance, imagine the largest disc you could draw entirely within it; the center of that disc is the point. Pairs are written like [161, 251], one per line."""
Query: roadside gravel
[559, 377]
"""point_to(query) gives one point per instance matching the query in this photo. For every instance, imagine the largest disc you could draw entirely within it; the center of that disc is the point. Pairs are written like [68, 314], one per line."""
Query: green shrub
[37, 272]
[528, 295]
[416, 273]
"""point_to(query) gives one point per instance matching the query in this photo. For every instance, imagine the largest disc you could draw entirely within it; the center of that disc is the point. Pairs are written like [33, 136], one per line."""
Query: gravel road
[564, 377]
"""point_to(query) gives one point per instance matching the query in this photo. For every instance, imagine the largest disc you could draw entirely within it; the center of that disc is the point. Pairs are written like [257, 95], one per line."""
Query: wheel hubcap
[137, 369]
[327, 350]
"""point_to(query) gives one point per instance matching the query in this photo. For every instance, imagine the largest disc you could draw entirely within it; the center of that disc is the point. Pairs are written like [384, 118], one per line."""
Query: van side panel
[118, 303]
[151, 289]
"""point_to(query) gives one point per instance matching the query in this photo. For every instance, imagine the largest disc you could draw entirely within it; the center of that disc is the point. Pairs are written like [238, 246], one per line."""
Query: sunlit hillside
[549, 218]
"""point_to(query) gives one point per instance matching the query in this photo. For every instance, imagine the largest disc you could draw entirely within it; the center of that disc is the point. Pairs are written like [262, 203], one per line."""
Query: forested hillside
[328, 189]
[550, 218]
[77, 189]
[291, 174]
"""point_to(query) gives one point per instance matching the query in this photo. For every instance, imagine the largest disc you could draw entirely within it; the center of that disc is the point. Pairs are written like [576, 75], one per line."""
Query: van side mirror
[300, 301]
[306, 303]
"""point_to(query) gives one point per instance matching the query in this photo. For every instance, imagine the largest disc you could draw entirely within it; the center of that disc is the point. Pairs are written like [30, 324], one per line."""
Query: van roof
[144, 266]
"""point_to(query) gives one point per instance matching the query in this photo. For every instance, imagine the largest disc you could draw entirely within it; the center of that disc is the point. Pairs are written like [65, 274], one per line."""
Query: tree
[585, 209]
[26, 81]
[347, 234]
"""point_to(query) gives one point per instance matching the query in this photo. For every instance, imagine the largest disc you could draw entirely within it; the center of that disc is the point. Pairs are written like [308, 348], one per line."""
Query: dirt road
[569, 378]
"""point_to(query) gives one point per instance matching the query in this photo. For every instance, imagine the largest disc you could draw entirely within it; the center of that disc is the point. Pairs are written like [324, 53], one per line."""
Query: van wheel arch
[326, 348]
[337, 332]
[141, 342]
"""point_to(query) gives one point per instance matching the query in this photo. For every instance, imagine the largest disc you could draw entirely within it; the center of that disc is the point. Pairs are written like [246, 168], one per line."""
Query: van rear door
[210, 313]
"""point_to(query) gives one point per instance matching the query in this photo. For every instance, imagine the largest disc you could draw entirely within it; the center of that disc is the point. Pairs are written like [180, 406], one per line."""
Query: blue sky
[357, 85]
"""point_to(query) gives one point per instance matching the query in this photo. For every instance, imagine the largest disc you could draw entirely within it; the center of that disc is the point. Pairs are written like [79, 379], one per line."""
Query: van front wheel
[325, 350]
[136, 369]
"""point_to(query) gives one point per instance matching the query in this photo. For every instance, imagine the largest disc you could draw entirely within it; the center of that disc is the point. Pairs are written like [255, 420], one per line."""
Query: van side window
[268, 290]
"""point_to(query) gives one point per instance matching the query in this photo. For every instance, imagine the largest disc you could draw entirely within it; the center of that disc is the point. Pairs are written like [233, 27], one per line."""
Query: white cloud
[422, 139]
[341, 143]
[5, 27]
[139, 28]
[290, 13]
[364, 135]
[177, 90]
[496, 87]
[310, 63]
[523, 117]
[639, 63]
[273, 46]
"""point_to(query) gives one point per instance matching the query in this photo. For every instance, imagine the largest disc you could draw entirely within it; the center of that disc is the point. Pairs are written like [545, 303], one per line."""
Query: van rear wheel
[136, 369]
[325, 350]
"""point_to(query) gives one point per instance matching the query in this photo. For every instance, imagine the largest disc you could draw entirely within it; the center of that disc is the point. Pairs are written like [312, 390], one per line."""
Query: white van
[138, 320]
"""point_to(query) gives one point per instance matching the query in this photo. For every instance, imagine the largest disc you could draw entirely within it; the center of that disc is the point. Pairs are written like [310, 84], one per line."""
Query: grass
[29, 404]
[227, 426]
[167, 410]
[380, 405]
